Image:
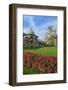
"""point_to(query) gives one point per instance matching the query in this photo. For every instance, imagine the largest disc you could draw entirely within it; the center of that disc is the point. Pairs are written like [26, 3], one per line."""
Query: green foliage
[28, 70]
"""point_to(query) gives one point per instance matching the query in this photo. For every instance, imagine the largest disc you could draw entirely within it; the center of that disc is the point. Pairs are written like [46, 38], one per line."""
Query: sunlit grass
[51, 51]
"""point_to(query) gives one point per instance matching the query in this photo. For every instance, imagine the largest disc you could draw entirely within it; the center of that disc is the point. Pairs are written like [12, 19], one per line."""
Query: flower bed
[40, 63]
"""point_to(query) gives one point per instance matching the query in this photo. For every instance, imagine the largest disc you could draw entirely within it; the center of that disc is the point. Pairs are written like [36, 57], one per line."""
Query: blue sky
[39, 24]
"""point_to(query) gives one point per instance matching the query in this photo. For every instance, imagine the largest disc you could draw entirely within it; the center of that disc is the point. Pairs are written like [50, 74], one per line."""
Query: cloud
[40, 28]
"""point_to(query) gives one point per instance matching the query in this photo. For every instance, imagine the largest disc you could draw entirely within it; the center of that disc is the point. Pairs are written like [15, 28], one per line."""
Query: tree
[51, 36]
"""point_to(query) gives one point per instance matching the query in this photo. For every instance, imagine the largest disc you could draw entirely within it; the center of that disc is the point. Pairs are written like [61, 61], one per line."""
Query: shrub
[40, 63]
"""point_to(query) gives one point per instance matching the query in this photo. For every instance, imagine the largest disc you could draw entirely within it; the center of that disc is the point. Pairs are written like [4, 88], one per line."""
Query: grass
[51, 51]
[27, 70]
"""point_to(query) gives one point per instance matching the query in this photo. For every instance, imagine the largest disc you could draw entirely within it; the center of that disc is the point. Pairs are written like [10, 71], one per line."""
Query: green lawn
[27, 70]
[51, 51]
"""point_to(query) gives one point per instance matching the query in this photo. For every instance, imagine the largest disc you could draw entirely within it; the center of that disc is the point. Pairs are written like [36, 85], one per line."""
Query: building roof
[31, 32]
[33, 35]
[24, 34]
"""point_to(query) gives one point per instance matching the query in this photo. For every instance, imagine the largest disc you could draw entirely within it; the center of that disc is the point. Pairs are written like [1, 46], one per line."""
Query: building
[31, 40]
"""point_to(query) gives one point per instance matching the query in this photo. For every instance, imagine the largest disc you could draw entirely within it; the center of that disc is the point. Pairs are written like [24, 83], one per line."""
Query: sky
[39, 24]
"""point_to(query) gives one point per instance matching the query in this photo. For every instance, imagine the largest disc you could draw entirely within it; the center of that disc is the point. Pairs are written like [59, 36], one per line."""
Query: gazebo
[31, 40]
